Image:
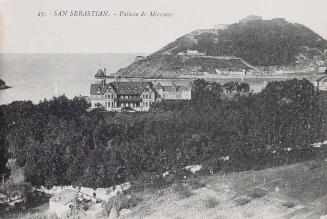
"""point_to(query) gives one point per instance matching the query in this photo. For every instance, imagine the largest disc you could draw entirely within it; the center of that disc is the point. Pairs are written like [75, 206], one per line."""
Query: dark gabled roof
[100, 74]
[121, 88]
[131, 88]
[170, 88]
[98, 89]
[158, 86]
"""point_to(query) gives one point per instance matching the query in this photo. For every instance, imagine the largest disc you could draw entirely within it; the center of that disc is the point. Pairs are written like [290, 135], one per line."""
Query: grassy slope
[303, 185]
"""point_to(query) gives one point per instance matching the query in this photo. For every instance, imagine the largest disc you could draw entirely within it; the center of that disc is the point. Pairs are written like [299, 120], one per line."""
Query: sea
[37, 77]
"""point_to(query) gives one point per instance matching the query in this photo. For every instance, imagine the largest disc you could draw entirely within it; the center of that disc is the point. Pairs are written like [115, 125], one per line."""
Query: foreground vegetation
[59, 143]
[290, 191]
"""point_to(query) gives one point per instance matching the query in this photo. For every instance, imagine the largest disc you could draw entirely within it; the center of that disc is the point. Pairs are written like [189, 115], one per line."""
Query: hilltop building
[250, 18]
[138, 95]
[192, 53]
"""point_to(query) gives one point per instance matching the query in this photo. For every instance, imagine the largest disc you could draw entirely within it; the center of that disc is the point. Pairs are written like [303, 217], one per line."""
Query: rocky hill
[3, 85]
[174, 66]
[254, 41]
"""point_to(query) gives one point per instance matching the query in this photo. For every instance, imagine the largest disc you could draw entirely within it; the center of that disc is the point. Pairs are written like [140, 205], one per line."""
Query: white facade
[174, 92]
[322, 83]
[118, 95]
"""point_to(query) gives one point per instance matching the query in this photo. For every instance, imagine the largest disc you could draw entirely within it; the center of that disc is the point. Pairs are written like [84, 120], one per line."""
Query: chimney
[105, 71]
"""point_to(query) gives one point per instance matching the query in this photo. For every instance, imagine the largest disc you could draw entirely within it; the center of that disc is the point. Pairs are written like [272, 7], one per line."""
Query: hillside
[174, 66]
[256, 41]
[292, 191]
[3, 85]
[259, 42]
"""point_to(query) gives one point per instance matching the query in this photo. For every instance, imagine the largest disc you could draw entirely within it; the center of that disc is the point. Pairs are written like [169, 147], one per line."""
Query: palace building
[137, 95]
[116, 95]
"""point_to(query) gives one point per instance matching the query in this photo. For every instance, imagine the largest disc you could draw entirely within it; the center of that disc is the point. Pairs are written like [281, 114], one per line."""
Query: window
[149, 96]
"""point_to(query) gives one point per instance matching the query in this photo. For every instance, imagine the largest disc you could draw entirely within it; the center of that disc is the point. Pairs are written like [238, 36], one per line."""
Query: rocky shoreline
[3, 85]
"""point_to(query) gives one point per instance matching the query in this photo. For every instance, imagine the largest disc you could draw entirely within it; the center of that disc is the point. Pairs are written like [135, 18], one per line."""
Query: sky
[22, 31]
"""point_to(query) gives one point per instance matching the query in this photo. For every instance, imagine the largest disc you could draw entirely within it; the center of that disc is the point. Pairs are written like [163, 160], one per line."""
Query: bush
[129, 202]
[289, 204]
[183, 174]
[211, 203]
[196, 183]
[12, 190]
[151, 180]
[257, 193]
[242, 200]
[182, 191]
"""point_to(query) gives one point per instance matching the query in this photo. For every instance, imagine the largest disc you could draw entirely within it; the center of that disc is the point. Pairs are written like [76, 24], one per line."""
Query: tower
[100, 76]
[159, 89]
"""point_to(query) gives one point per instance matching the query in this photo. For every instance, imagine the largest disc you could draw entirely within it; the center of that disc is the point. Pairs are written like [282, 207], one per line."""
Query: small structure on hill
[140, 58]
[251, 18]
[190, 52]
[194, 53]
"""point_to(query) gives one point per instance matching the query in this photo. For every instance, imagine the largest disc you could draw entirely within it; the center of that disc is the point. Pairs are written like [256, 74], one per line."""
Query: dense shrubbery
[59, 142]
